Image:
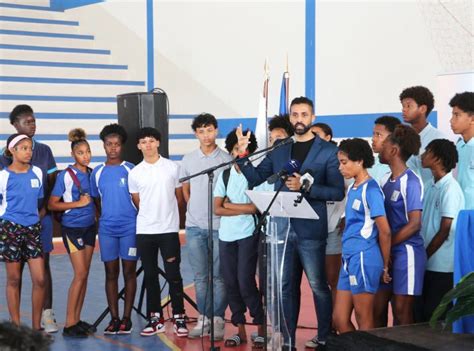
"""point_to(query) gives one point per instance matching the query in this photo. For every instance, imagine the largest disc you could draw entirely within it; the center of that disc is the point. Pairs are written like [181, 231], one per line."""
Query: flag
[261, 130]
[285, 84]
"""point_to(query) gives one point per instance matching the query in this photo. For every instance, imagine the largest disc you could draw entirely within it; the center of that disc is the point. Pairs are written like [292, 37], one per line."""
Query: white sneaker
[219, 328]
[48, 321]
[201, 329]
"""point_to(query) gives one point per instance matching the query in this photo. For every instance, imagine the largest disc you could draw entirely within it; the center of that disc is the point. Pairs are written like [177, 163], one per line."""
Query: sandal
[234, 341]
[258, 342]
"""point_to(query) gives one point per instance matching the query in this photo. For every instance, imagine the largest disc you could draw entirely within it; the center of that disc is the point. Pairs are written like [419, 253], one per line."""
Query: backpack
[225, 178]
[58, 215]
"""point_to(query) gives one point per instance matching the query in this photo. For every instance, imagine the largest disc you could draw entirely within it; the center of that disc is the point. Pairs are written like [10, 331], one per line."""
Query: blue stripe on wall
[57, 98]
[38, 20]
[28, 7]
[60, 115]
[54, 49]
[69, 159]
[61, 64]
[150, 46]
[46, 34]
[70, 81]
[310, 49]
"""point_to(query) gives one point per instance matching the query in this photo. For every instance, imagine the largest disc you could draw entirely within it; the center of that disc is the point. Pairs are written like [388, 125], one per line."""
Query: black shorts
[20, 243]
[75, 239]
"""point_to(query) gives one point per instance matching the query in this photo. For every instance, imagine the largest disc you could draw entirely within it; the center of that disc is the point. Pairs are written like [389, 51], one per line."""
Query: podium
[280, 208]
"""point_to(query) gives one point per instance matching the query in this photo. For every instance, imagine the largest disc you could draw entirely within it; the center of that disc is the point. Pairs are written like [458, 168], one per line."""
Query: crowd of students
[390, 239]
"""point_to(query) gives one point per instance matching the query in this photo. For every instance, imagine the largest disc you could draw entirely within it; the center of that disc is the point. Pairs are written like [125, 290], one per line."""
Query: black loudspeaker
[138, 110]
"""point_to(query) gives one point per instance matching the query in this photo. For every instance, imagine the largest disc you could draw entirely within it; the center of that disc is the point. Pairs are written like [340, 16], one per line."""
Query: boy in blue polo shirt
[238, 247]
[462, 123]
[443, 201]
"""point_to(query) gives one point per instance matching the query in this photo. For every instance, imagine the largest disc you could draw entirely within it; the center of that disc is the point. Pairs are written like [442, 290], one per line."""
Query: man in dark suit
[306, 237]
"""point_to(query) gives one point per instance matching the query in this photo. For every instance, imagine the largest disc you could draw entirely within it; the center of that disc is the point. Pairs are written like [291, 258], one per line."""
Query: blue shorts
[115, 246]
[76, 239]
[361, 272]
[46, 234]
[407, 271]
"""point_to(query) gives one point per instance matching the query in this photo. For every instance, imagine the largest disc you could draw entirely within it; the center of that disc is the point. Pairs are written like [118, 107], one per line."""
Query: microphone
[307, 181]
[291, 167]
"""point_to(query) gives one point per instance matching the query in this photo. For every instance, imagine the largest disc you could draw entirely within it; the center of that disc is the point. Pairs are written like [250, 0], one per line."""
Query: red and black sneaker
[125, 326]
[113, 327]
[155, 325]
[180, 328]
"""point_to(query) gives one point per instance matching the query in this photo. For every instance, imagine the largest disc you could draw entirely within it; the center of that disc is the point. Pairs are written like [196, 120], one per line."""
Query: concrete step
[41, 55]
[89, 89]
[47, 42]
[6, 105]
[37, 27]
[62, 72]
[35, 13]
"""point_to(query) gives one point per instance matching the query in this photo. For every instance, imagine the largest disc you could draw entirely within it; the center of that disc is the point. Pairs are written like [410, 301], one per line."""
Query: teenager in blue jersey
[21, 192]
[77, 228]
[365, 241]
[22, 118]
[403, 191]
[117, 226]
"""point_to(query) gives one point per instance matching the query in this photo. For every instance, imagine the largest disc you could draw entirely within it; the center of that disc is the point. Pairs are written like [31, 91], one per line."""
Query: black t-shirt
[300, 150]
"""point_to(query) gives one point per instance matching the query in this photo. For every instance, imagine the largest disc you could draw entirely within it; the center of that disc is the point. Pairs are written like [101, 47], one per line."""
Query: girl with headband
[71, 195]
[21, 190]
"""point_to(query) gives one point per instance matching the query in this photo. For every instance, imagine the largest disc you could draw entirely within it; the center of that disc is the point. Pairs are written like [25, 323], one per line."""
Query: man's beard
[301, 131]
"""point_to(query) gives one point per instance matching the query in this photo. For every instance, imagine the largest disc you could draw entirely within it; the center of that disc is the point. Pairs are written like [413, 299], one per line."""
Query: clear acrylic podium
[277, 229]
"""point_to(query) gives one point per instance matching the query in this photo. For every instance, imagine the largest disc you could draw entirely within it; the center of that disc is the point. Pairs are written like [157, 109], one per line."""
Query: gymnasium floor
[95, 303]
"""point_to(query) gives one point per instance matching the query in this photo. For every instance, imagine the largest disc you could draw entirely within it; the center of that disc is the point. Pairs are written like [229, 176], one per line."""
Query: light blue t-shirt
[442, 199]
[234, 228]
[364, 204]
[402, 196]
[465, 175]
[118, 214]
[428, 134]
[64, 187]
[20, 194]
[378, 170]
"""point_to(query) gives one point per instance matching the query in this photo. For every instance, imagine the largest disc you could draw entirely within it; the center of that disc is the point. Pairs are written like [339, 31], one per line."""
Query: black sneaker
[74, 332]
[113, 327]
[125, 326]
[88, 328]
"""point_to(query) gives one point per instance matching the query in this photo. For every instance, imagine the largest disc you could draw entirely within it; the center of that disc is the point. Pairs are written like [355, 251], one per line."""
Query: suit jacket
[328, 182]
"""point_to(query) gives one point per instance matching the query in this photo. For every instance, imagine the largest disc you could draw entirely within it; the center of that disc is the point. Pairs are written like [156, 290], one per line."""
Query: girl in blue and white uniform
[21, 191]
[71, 195]
[117, 226]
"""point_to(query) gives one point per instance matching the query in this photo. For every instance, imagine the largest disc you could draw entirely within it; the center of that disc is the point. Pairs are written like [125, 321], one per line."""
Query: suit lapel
[312, 154]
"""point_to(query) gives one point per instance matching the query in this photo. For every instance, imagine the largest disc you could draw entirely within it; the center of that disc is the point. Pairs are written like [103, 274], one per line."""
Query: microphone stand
[210, 255]
[262, 221]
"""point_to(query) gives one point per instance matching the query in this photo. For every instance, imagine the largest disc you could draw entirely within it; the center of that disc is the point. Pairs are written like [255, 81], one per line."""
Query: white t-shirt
[156, 184]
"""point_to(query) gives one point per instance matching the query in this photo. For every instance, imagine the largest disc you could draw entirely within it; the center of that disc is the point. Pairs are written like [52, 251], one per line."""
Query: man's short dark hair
[148, 132]
[445, 151]
[464, 101]
[204, 120]
[114, 129]
[389, 122]
[407, 139]
[13, 337]
[421, 95]
[358, 149]
[283, 122]
[231, 140]
[18, 111]
[302, 100]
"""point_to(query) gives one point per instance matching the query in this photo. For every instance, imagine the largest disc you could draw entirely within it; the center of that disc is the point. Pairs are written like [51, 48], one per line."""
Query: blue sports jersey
[20, 195]
[402, 196]
[364, 204]
[64, 187]
[110, 183]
